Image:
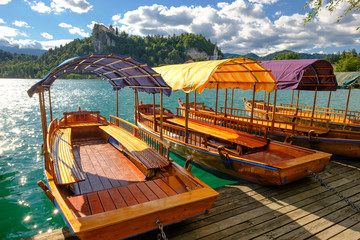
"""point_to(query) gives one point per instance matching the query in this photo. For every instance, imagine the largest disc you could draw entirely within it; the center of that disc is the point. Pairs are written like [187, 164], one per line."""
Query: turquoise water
[24, 208]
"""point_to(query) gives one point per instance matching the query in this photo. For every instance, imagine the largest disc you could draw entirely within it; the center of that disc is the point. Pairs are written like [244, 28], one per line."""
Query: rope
[162, 234]
[333, 190]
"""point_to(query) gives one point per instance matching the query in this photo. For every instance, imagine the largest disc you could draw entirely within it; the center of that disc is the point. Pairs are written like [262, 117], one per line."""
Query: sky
[236, 26]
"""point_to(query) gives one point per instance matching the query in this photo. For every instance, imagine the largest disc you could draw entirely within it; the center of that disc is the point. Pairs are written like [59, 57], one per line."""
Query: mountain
[27, 51]
[272, 55]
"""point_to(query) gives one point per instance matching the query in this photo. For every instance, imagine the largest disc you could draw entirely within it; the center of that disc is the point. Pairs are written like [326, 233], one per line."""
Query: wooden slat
[96, 160]
[128, 197]
[91, 174]
[106, 200]
[147, 191]
[155, 188]
[140, 149]
[168, 190]
[79, 206]
[137, 193]
[94, 202]
[175, 184]
[117, 198]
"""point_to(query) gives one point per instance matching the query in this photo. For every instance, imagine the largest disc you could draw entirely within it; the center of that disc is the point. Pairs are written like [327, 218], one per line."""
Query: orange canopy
[228, 73]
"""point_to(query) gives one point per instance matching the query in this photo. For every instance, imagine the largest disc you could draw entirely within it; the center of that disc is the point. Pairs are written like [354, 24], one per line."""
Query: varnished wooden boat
[108, 178]
[225, 152]
[304, 75]
[337, 142]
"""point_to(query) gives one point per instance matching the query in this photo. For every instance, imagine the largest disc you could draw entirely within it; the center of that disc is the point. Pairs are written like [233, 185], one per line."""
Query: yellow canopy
[229, 73]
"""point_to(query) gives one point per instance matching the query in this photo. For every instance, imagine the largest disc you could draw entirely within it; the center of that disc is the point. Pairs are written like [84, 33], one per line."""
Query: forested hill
[153, 50]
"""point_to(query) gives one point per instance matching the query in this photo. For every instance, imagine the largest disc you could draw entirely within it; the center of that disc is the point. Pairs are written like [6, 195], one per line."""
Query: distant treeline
[153, 50]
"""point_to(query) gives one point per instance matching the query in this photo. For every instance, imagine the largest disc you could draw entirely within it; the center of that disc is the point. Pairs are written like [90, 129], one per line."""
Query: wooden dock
[300, 210]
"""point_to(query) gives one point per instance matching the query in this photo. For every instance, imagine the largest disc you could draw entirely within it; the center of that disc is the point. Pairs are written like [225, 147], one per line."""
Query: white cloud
[54, 43]
[40, 7]
[8, 32]
[59, 6]
[242, 26]
[10, 42]
[74, 30]
[47, 35]
[264, 1]
[65, 25]
[3, 2]
[2, 20]
[21, 24]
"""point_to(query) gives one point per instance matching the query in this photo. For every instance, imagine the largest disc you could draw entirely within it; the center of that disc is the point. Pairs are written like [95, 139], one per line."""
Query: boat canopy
[347, 79]
[303, 74]
[229, 73]
[120, 71]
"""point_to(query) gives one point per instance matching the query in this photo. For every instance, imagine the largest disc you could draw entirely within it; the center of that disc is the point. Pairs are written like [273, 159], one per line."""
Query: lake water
[24, 208]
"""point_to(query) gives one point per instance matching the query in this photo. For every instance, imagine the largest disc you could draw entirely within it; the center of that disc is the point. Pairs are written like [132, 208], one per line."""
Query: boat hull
[237, 168]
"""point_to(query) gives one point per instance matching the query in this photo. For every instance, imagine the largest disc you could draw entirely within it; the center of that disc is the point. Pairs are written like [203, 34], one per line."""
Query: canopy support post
[51, 113]
[313, 110]
[252, 109]
[347, 104]
[268, 102]
[226, 93]
[297, 104]
[232, 101]
[117, 102]
[43, 124]
[195, 101]
[264, 98]
[136, 106]
[292, 97]
[274, 111]
[186, 117]
[154, 112]
[161, 114]
[216, 103]
[328, 105]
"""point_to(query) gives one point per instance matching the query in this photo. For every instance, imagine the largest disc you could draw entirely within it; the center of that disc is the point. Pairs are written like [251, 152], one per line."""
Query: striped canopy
[121, 71]
[229, 73]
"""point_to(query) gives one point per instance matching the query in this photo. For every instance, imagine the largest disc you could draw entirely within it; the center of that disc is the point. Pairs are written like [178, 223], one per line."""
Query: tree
[348, 62]
[331, 5]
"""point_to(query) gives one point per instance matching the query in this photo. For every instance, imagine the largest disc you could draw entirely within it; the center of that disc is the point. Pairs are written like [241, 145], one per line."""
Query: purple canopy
[121, 71]
[303, 74]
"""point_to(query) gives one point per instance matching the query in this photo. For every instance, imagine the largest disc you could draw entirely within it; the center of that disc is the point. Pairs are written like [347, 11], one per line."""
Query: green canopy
[347, 79]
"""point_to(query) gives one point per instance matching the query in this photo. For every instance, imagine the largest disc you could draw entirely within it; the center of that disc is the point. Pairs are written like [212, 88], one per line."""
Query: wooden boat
[222, 151]
[108, 178]
[317, 136]
[337, 142]
[308, 75]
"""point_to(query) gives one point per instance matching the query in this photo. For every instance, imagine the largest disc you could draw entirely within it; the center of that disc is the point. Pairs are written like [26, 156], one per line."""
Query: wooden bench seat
[223, 133]
[120, 197]
[147, 156]
[66, 168]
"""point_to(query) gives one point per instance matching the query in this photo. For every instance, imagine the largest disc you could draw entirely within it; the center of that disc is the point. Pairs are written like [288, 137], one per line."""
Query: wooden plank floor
[300, 210]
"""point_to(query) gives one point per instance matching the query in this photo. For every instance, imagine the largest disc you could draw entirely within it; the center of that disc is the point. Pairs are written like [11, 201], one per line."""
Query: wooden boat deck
[105, 187]
[301, 210]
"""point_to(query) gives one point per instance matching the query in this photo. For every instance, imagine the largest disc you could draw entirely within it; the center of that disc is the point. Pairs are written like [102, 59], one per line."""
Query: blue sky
[237, 26]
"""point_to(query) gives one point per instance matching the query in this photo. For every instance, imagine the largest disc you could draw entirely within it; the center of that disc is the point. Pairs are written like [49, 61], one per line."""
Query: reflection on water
[25, 210]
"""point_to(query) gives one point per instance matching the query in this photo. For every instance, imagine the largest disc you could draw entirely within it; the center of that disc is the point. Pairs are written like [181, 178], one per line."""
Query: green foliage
[154, 50]
[330, 5]
[349, 61]
[286, 55]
